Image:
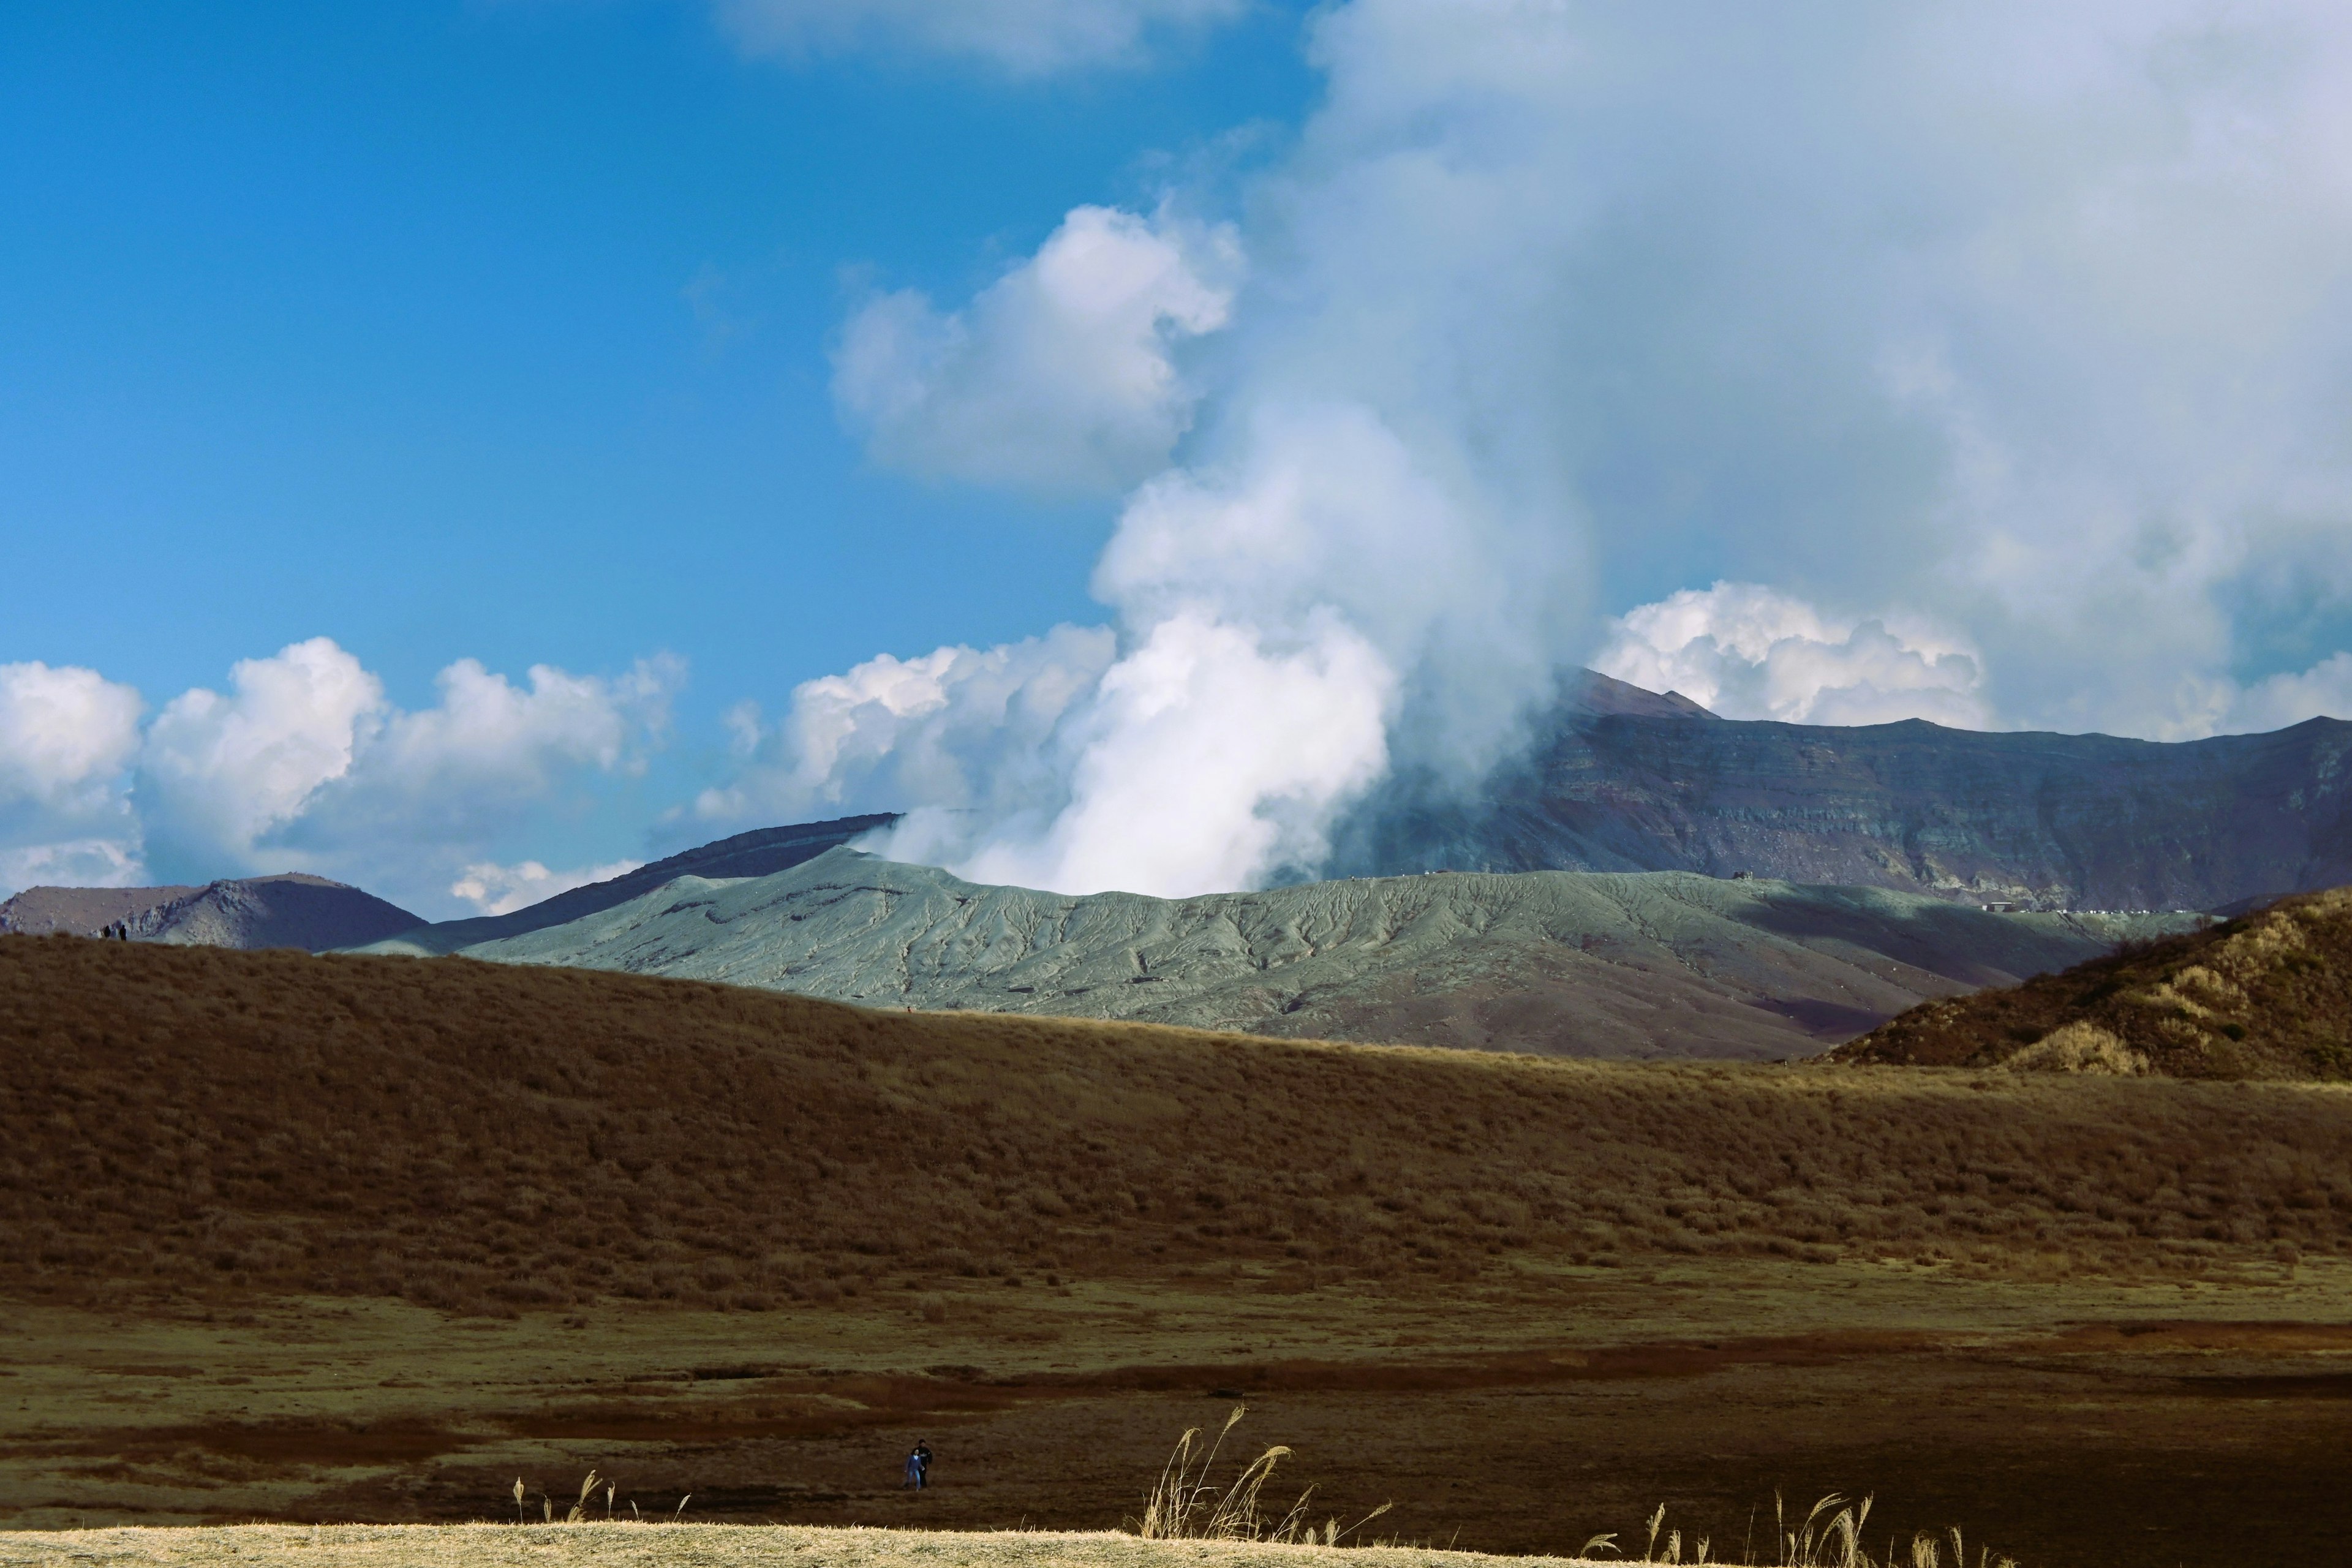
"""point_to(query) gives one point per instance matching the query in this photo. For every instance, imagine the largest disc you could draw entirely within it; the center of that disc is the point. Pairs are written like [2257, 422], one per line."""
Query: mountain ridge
[291, 909]
[2045, 820]
[757, 853]
[1638, 965]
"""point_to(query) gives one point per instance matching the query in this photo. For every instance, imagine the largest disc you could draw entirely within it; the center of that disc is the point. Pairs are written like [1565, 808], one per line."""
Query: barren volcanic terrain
[1663, 964]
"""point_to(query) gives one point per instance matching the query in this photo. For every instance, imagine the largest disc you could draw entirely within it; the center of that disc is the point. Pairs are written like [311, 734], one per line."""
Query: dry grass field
[2266, 995]
[367, 1240]
[683, 1546]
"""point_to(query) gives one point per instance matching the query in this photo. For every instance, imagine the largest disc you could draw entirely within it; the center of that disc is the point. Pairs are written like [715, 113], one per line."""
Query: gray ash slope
[1618, 779]
[290, 910]
[1645, 965]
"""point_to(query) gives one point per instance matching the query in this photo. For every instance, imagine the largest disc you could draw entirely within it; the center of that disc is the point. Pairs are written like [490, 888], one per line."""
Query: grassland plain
[343, 1238]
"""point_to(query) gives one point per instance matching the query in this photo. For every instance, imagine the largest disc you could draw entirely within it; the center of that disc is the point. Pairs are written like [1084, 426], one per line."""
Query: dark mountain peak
[1618, 779]
[1590, 692]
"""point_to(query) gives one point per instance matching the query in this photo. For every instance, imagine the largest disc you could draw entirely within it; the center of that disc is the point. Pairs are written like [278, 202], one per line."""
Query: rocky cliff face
[290, 911]
[2052, 822]
[81, 912]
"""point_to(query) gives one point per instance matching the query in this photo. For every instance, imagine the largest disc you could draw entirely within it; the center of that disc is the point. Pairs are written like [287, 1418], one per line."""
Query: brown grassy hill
[197, 1121]
[2266, 995]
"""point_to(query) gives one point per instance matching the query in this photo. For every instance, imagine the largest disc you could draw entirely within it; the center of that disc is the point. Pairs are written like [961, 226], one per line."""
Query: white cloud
[1747, 652]
[2324, 691]
[218, 772]
[71, 863]
[489, 744]
[63, 732]
[496, 889]
[1059, 377]
[957, 728]
[305, 764]
[302, 764]
[67, 737]
[1023, 37]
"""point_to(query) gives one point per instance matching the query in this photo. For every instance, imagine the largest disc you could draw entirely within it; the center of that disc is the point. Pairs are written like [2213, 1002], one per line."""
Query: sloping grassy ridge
[2267, 995]
[188, 1121]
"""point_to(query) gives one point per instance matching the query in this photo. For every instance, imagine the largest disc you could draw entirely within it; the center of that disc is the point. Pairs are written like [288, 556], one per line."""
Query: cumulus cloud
[496, 889]
[1747, 652]
[1021, 37]
[64, 734]
[67, 738]
[303, 763]
[490, 750]
[963, 731]
[220, 772]
[1061, 375]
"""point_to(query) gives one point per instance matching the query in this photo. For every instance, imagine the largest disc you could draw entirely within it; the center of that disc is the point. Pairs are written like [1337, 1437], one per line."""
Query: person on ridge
[922, 1464]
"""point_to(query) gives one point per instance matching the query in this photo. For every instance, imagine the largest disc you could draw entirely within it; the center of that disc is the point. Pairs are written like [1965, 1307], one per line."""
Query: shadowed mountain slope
[203, 1122]
[1613, 783]
[1558, 962]
[2265, 995]
[294, 909]
[754, 854]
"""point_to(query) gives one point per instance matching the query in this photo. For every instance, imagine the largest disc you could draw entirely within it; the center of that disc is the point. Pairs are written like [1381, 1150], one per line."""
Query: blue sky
[773, 378]
[501, 330]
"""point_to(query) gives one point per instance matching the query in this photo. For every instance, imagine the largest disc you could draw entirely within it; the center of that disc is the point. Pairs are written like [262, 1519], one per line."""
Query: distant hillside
[1617, 780]
[1664, 964]
[290, 910]
[197, 1122]
[2266, 995]
[755, 854]
[81, 912]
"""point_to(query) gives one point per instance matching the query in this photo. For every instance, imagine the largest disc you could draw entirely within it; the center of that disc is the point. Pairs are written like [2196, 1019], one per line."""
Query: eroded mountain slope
[1662, 964]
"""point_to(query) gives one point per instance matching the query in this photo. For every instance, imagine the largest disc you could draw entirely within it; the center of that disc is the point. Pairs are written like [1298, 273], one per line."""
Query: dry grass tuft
[1189, 1504]
[1831, 1536]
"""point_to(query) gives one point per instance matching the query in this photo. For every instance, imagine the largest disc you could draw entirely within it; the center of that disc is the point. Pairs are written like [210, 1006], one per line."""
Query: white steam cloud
[2034, 321]
[1021, 38]
[1061, 375]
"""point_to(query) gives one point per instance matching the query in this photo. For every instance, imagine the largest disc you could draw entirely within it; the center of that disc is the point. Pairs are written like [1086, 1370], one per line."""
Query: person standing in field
[914, 1469]
[922, 1464]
